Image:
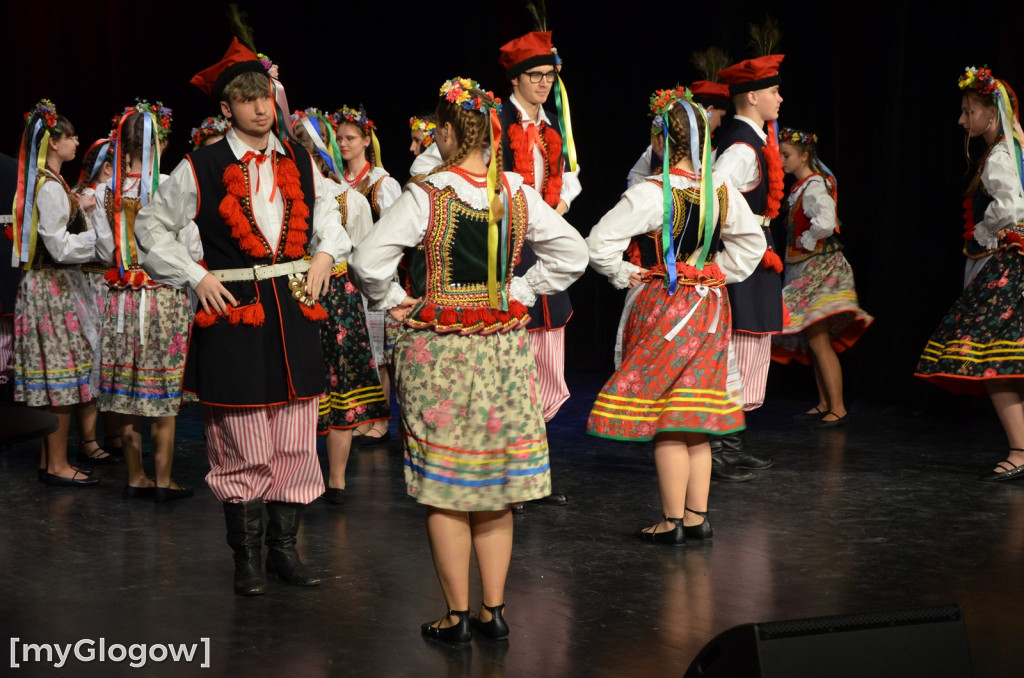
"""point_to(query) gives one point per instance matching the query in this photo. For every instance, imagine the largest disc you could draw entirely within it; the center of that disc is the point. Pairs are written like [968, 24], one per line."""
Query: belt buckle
[256, 271]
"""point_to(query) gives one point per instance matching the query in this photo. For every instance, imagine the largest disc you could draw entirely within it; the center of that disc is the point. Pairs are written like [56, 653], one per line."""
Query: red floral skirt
[676, 384]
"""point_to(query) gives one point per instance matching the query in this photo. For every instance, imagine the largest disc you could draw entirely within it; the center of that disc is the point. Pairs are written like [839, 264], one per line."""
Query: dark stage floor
[884, 513]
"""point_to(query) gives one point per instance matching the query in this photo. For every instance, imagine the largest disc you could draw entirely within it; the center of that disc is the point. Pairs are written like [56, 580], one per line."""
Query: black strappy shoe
[458, 633]
[676, 537]
[496, 628]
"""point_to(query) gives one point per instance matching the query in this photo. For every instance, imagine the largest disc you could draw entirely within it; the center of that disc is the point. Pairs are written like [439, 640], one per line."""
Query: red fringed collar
[522, 159]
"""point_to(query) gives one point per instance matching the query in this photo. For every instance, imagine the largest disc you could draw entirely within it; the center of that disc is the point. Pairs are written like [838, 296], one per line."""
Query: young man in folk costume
[254, 358]
[532, 147]
[749, 160]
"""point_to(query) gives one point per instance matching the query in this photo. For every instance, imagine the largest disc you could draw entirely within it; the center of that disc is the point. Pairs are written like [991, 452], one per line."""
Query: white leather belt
[6, 218]
[261, 271]
[765, 221]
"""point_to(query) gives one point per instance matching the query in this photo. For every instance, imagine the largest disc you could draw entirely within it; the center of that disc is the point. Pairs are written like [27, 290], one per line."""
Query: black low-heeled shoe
[1009, 472]
[699, 532]
[91, 458]
[53, 480]
[334, 495]
[458, 633]
[136, 492]
[170, 494]
[496, 628]
[675, 537]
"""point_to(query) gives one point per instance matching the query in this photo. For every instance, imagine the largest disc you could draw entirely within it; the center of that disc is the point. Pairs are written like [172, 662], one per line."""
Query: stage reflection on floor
[883, 513]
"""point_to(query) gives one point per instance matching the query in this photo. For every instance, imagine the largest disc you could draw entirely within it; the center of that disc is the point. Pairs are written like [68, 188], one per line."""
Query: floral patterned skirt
[817, 289]
[145, 342]
[55, 332]
[474, 431]
[671, 385]
[982, 335]
[354, 394]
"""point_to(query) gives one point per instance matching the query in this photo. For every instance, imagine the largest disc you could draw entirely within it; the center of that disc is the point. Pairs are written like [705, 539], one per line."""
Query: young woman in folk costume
[147, 324]
[354, 395]
[979, 346]
[671, 386]
[824, 318]
[472, 419]
[56, 328]
[97, 168]
[360, 153]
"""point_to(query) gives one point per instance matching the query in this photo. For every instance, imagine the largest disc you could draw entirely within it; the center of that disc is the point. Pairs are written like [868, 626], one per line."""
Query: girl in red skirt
[671, 385]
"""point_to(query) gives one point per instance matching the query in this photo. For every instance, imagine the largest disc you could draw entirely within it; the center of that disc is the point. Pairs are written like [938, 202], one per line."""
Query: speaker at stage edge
[919, 642]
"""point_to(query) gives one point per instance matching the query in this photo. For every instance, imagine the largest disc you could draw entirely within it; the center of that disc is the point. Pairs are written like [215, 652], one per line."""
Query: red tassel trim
[522, 160]
[771, 261]
[9, 232]
[775, 180]
[710, 275]
[473, 320]
[133, 277]
[315, 312]
[250, 314]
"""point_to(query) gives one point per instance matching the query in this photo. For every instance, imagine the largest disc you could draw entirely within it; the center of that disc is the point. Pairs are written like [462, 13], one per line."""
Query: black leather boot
[720, 469]
[733, 453]
[245, 527]
[282, 558]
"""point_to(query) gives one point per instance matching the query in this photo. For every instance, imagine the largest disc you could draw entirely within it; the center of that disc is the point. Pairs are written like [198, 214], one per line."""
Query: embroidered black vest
[245, 365]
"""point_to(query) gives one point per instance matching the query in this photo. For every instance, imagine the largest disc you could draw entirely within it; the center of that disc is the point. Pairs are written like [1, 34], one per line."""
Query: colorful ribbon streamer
[668, 248]
[565, 124]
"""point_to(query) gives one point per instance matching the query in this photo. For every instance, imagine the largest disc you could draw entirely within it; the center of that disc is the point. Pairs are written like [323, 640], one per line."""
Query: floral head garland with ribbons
[213, 126]
[1004, 99]
[468, 95]
[313, 121]
[156, 126]
[359, 118]
[426, 126]
[41, 124]
[808, 141]
[661, 103]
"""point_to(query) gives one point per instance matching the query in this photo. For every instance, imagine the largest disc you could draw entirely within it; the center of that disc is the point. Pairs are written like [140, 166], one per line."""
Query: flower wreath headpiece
[425, 126]
[359, 118]
[460, 91]
[313, 120]
[661, 103]
[213, 126]
[982, 81]
[162, 114]
[31, 168]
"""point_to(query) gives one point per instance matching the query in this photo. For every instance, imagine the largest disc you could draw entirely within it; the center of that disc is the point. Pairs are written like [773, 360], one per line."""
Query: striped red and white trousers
[266, 452]
[548, 348]
[753, 356]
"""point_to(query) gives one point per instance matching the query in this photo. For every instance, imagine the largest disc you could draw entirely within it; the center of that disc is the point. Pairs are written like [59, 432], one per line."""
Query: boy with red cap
[749, 160]
[533, 148]
[254, 359]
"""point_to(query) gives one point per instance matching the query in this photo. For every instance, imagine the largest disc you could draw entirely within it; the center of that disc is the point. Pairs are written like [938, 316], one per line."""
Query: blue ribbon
[668, 219]
[147, 171]
[326, 156]
[100, 158]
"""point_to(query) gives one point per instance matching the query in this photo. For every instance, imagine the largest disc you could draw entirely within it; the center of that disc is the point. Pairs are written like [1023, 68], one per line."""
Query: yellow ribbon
[492, 223]
[33, 233]
[376, 148]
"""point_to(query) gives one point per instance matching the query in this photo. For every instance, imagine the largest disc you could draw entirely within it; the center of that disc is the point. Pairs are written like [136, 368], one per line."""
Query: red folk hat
[527, 51]
[237, 60]
[752, 74]
[710, 93]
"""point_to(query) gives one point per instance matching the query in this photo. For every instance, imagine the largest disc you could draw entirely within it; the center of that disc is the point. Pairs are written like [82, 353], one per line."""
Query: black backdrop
[876, 81]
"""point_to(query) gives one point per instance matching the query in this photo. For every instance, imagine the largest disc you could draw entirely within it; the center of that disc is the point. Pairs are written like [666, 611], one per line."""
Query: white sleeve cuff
[396, 293]
[521, 291]
[620, 279]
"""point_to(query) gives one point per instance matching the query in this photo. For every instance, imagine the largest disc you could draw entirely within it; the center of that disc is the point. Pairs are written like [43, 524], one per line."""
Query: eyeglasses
[537, 76]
